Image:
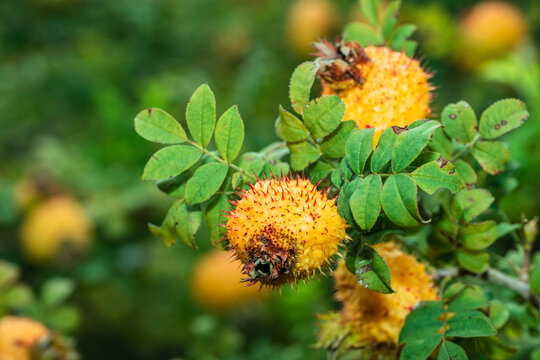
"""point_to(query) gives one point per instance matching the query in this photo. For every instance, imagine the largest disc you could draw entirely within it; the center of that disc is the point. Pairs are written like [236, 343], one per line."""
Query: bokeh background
[74, 73]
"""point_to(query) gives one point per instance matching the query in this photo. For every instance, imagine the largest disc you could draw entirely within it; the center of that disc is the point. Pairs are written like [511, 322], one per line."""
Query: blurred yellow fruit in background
[307, 21]
[490, 29]
[18, 335]
[216, 282]
[56, 229]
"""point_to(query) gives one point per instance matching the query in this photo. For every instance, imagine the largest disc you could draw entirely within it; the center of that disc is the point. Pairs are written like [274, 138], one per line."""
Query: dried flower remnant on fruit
[375, 319]
[284, 230]
[380, 87]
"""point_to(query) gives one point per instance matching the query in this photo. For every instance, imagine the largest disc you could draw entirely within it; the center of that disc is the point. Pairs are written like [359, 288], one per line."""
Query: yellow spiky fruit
[380, 87]
[490, 29]
[374, 319]
[18, 335]
[307, 21]
[284, 230]
[57, 227]
[216, 283]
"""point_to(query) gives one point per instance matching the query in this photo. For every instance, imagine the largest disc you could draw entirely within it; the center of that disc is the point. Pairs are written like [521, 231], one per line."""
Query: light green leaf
[410, 143]
[171, 161]
[303, 154]
[535, 280]
[370, 9]
[436, 174]
[205, 182]
[466, 173]
[476, 262]
[252, 163]
[441, 143]
[185, 221]
[343, 201]
[398, 200]
[9, 273]
[323, 115]
[470, 298]
[498, 314]
[229, 134]
[201, 115]
[409, 47]
[372, 272]
[289, 128]
[334, 144]
[176, 186]
[491, 155]
[56, 290]
[362, 33]
[470, 324]
[400, 35]
[166, 235]
[460, 121]
[319, 171]
[390, 18]
[478, 236]
[158, 126]
[300, 85]
[358, 148]
[215, 216]
[383, 152]
[365, 203]
[451, 351]
[471, 203]
[501, 117]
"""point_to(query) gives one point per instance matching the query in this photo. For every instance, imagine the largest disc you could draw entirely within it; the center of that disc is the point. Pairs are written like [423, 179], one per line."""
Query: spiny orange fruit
[380, 87]
[216, 282]
[18, 335]
[375, 319]
[490, 29]
[307, 21]
[55, 225]
[284, 230]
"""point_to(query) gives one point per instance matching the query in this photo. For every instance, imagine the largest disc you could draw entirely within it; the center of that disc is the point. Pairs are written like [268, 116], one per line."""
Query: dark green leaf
[501, 117]
[466, 173]
[185, 220]
[478, 236]
[398, 200]
[346, 170]
[420, 349]
[494, 348]
[300, 85]
[303, 154]
[319, 171]
[491, 155]
[229, 134]
[323, 115]
[471, 203]
[176, 186]
[334, 144]
[289, 127]
[383, 152]
[410, 143]
[460, 121]
[370, 10]
[201, 115]
[158, 126]
[166, 235]
[535, 280]
[451, 351]
[441, 143]
[171, 161]
[422, 321]
[470, 324]
[390, 18]
[215, 216]
[205, 182]
[362, 33]
[436, 174]
[400, 35]
[358, 148]
[335, 178]
[372, 272]
[470, 298]
[343, 202]
[377, 237]
[473, 261]
[365, 202]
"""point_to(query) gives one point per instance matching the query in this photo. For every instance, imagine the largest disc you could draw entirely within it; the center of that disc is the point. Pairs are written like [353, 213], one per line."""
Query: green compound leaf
[491, 155]
[471, 203]
[383, 152]
[171, 161]
[358, 148]
[470, 298]
[176, 186]
[370, 9]
[399, 37]
[185, 221]
[303, 154]
[323, 115]
[158, 126]
[362, 33]
[436, 174]
[215, 216]
[205, 182]
[466, 173]
[319, 171]
[398, 200]
[371, 271]
[343, 202]
[390, 18]
[473, 261]
[229, 134]
[300, 85]
[460, 121]
[451, 351]
[478, 236]
[201, 115]
[334, 144]
[410, 143]
[422, 321]
[441, 143]
[470, 324]
[365, 202]
[501, 117]
[252, 163]
[421, 348]
[289, 128]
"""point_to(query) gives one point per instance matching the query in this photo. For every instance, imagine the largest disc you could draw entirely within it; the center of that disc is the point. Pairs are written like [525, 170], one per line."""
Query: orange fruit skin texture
[377, 318]
[395, 92]
[307, 21]
[304, 218]
[17, 337]
[216, 285]
[54, 223]
[490, 29]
